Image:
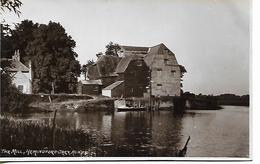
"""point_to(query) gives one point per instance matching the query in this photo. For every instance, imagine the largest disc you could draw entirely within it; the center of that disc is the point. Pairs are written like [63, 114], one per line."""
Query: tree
[53, 59]
[6, 46]
[183, 70]
[84, 68]
[22, 35]
[11, 99]
[11, 5]
[112, 49]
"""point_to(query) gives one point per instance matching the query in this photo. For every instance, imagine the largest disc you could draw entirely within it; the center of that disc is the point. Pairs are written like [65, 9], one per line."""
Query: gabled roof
[124, 62]
[134, 48]
[114, 85]
[12, 65]
[105, 66]
[91, 82]
[155, 50]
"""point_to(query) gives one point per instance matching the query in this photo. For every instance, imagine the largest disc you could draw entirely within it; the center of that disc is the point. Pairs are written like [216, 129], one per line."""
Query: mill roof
[105, 66]
[155, 50]
[113, 85]
[91, 82]
[125, 61]
[134, 48]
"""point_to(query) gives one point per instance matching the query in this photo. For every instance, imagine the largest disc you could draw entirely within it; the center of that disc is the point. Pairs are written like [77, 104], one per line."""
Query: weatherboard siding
[136, 78]
[166, 76]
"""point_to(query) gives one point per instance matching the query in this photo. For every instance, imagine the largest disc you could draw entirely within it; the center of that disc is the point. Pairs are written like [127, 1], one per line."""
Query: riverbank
[21, 137]
[77, 103]
[83, 103]
[220, 100]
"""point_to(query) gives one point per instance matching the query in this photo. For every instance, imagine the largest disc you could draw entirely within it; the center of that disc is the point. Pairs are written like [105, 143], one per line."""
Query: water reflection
[213, 133]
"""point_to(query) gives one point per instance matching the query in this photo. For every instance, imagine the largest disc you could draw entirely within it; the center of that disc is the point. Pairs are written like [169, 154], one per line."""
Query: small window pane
[20, 88]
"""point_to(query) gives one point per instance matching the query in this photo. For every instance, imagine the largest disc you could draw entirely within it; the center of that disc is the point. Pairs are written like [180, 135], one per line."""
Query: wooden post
[53, 129]
[52, 86]
[150, 85]
[53, 124]
[182, 152]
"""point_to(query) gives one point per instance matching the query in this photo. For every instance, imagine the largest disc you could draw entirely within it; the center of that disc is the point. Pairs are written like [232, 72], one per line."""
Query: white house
[21, 74]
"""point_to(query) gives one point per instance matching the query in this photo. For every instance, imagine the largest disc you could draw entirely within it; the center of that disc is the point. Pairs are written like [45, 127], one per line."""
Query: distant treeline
[222, 99]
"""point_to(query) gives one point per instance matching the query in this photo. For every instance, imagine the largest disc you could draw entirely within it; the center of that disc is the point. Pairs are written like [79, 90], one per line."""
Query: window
[166, 61]
[20, 88]
[159, 71]
[173, 73]
[165, 51]
[95, 88]
[139, 63]
[159, 86]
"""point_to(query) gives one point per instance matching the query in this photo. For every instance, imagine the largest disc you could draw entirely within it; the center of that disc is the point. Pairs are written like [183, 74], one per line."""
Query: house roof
[91, 82]
[105, 66]
[124, 62]
[134, 48]
[12, 65]
[114, 85]
[20, 75]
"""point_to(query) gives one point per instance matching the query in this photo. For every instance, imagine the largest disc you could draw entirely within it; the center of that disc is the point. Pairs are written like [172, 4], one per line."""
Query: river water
[220, 133]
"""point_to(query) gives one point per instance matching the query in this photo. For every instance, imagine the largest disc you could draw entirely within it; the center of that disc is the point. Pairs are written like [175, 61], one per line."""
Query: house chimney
[99, 54]
[16, 55]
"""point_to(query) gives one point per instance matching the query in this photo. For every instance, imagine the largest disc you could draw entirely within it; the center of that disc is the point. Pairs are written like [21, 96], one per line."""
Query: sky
[211, 38]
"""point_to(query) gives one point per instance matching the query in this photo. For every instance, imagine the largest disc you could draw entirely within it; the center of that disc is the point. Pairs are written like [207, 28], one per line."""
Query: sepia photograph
[132, 80]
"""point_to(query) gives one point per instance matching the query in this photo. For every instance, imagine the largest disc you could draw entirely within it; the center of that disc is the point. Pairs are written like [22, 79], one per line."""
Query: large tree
[11, 99]
[112, 49]
[85, 67]
[11, 5]
[22, 35]
[53, 59]
[6, 45]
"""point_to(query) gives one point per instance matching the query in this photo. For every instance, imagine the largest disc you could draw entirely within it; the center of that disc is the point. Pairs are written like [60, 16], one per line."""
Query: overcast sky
[211, 38]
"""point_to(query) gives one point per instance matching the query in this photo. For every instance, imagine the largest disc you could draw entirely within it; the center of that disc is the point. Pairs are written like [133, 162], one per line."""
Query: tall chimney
[16, 55]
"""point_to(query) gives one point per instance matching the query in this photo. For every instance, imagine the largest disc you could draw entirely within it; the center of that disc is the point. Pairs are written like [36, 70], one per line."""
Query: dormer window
[165, 51]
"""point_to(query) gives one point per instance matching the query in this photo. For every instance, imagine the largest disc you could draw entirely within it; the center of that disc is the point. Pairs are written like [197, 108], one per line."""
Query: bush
[11, 98]
[37, 135]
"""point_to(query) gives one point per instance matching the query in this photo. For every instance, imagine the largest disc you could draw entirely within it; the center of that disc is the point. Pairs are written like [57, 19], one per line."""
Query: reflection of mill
[131, 131]
[167, 129]
[147, 133]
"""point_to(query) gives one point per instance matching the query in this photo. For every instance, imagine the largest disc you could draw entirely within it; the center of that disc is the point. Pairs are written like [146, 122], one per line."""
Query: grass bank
[66, 102]
[27, 137]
